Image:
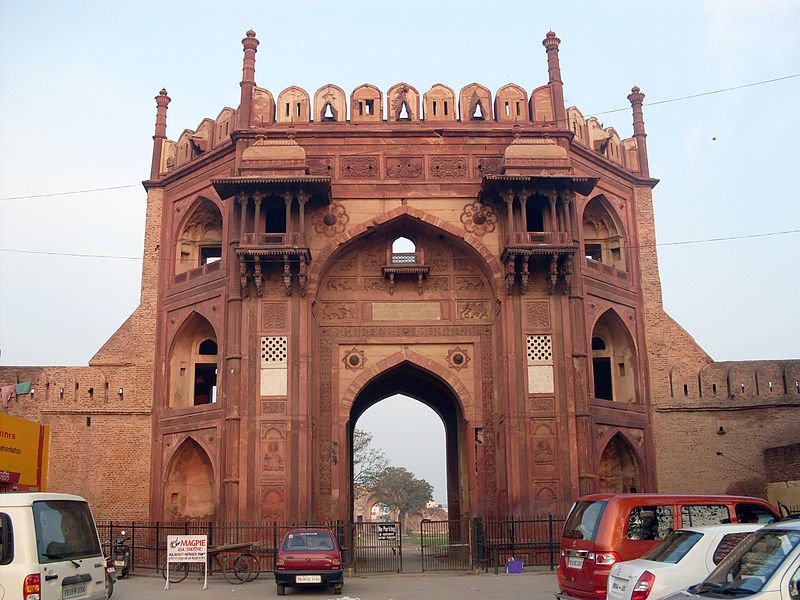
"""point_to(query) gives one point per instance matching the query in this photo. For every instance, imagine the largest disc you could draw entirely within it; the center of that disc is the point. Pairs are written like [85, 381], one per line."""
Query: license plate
[575, 562]
[119, 563]
[73, 591]
[618, 585]
[308, 579]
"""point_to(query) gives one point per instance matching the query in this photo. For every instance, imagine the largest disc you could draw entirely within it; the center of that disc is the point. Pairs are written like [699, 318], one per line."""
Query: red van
[604, 529]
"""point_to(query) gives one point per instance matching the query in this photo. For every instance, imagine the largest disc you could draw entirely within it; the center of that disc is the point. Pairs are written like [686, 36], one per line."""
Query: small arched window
[404, 251]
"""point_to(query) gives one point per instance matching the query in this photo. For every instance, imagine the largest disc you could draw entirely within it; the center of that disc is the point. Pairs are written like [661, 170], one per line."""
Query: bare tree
[368, 461]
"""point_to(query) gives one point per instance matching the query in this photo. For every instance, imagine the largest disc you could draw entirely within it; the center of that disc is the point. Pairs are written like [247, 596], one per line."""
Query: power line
[105, 189]
[605, 112]
[719, 91]
[678, 243]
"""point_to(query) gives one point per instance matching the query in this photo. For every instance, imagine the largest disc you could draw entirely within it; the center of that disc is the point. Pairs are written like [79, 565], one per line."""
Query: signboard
[187, 549]
[387, 531]
[23, 454]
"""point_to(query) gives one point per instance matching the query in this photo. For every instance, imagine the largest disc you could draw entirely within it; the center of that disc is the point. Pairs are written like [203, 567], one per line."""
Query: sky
[77, 82]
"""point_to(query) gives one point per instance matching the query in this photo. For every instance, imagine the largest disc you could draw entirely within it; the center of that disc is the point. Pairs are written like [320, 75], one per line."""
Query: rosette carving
[478, 218]
[331, 220]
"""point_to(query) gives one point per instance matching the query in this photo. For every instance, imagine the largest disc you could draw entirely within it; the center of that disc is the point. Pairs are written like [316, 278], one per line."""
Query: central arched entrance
[419, 384]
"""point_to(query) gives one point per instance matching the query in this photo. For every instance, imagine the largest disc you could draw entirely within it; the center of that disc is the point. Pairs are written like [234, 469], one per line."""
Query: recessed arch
[192, 366]
[199, 236]
[614, 359]
[189, 484]
[604, 237]
[412, 375]
[489, 263]
[620, 467]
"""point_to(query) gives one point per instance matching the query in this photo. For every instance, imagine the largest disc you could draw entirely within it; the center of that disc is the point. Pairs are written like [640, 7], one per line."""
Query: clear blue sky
[77, 81]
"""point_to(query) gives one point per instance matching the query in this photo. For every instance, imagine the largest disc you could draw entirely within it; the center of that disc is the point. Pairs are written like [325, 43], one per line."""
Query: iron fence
[366, 547]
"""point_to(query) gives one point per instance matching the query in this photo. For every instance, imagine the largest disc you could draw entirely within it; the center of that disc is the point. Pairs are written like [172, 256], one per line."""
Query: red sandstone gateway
[604, 529]
[308, 557]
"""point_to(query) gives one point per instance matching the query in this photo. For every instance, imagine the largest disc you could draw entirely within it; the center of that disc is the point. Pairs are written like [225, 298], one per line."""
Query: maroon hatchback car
[309, 557]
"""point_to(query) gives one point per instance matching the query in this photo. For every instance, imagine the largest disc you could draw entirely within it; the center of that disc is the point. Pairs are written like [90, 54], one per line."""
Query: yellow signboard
[24, 449]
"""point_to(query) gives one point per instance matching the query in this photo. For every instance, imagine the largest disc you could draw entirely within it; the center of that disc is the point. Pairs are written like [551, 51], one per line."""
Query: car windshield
[64, 530]
[749, 567]
[673, 547]
[584, 520]
[308, 540]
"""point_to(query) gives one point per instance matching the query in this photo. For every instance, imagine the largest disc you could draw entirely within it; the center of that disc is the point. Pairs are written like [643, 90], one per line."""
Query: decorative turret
[162, 102]
[551, 43]
[248, 83]
[636, 97]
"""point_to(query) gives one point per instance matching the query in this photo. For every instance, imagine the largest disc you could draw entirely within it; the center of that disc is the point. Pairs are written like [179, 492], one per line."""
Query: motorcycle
[122, 556]
[111, 577]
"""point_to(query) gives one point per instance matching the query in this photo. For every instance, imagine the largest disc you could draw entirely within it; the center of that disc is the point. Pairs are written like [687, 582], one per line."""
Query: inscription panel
[406, 311]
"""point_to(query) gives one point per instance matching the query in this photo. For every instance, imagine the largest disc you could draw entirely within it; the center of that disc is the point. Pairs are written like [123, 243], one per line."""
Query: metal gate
[377, 548]
[446, 545]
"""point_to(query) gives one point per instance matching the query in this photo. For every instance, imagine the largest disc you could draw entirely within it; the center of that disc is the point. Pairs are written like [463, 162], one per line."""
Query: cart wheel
[255, 566]
[177, 572]
[281, 589]
[236, 569]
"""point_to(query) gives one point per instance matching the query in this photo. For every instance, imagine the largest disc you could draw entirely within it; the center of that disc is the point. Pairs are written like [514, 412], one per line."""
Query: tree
[399, 489]
[368, 462]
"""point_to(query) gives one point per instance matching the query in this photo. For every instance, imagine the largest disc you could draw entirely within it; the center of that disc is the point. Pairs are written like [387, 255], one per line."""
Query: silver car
[765, 566]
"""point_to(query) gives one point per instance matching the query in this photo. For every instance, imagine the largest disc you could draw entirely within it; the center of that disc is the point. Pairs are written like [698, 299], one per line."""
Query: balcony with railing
[405, 264]
[273, 240]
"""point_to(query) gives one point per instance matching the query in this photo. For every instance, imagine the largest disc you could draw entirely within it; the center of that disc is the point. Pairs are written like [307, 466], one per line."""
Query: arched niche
[330, 104]
[403, 102]
[189, 484]
[199, 237]
[440, 103]
[193, 361]
[294, 105]
[475, 103]
[577, 125]
[511, 104]
[604, 238]
[366, 104]
[615, 363]
[620, 468]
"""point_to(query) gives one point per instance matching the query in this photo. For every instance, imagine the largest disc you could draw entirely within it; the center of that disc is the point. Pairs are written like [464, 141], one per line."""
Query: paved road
[532, 585]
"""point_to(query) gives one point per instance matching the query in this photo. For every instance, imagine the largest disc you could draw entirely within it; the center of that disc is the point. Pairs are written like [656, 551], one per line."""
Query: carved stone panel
[341, 284]
[488, 165]
[470, 283]
[320, 166]
[273, 450]
[273, 407]
[338, 311]
[538, 315]
[359, 167]
[273, 503]
[473, 309]
[450, 167]
[404, 167]
[273, 316]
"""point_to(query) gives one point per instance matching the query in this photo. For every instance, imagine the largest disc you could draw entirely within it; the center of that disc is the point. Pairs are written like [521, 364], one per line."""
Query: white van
[49, 548]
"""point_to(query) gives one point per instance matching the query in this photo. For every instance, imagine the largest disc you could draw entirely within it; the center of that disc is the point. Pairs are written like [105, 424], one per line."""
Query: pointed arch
[192, 367]
[494, 269]
[472, 97]
[604, 237]
[399, 95]
[198, 236]
[620, 467]
[366, 104]
[189, 484]
[615, 361]
[330, 104]
[414, 359]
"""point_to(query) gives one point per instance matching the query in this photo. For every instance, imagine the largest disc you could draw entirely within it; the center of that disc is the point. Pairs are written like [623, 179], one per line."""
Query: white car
[765, 566]
[685, 557]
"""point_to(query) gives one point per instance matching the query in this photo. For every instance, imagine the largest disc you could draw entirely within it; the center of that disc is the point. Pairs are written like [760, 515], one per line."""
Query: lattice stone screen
[274, 365]
[540, 364]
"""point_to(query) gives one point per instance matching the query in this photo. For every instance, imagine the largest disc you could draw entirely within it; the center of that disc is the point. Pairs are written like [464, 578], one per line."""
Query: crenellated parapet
[736, 383]
[402, 109]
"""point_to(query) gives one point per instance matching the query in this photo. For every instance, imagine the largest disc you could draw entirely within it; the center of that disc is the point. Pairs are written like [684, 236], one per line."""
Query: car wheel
[281, 589]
